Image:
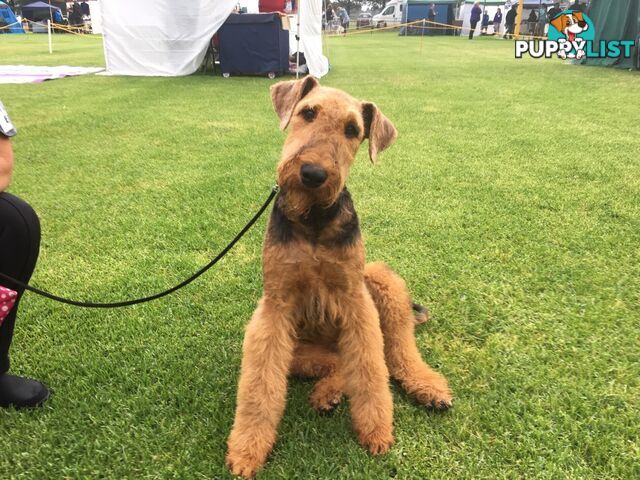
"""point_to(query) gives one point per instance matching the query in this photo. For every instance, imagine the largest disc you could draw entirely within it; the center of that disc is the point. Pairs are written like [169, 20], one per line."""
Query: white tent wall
[310, 12]
[96, 15]
[170, 37]
[252, 6]
[159, 37]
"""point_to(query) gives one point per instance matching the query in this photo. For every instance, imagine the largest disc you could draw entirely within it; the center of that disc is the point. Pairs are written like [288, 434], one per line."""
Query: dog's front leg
[267, 353]
[366, 375]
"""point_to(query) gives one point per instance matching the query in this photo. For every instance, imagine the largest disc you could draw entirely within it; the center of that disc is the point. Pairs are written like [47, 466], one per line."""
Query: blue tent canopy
[419, 9]
[9, 18]
[37, 11]
[39, 5]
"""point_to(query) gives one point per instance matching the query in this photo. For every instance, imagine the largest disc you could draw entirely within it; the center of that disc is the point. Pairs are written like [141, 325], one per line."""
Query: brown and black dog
[571, 24]
[324, 313]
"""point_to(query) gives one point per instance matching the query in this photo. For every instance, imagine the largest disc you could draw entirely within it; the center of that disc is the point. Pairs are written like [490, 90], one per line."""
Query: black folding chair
[211, 58]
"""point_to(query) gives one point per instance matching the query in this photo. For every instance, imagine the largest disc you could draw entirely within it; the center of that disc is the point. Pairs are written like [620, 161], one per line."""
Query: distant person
[497, 21]
[532, 21]
[19, 248]
[329, 14]
[542, 20]
[431, 16]
[3, 24]
[554, 11]
[476, 13]
[577, 6]
[75, 18]
[344, 19]
[57, 17]
[485, 23]
[84, 9]
[510, 21]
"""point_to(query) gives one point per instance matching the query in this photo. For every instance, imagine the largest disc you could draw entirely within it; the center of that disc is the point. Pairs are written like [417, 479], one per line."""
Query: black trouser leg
[19, 248]
[473, 29]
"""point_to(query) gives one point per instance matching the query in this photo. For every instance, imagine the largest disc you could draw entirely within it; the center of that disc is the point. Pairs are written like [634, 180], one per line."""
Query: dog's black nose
[312, 175]
[582, 24]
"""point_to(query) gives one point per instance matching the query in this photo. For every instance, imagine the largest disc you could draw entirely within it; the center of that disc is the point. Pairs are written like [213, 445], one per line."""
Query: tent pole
[50, 12]
[516, 33]
[539, 10]
[323, 31]
[405, 16]
[298, 43]
[49, 35]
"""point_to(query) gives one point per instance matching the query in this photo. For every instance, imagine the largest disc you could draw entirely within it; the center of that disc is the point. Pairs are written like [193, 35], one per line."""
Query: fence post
[49, 35]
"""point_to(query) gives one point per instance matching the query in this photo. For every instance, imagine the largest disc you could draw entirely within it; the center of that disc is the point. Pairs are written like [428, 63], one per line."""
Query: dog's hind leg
[327, 393]
[397, 322]
[311, 360]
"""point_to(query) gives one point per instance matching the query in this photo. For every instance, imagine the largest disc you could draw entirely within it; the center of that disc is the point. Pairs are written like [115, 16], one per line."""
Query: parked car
[364, 21]
[390, 16]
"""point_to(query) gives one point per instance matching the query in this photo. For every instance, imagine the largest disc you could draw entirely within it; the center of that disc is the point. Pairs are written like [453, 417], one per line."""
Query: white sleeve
[6, 127]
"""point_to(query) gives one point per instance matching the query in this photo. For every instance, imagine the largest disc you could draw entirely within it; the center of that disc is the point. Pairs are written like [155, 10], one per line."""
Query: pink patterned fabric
[7, 301]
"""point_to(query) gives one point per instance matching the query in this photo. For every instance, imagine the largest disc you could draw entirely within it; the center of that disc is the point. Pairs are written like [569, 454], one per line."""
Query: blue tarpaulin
[38, 11]
[9, 18]
[419, 10]
[254, 44]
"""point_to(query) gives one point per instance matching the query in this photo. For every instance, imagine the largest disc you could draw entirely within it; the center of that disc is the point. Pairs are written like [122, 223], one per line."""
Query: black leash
[245, 229]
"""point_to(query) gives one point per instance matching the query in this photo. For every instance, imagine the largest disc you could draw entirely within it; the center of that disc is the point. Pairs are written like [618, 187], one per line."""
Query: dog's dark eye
[309, 114]
[351, 131]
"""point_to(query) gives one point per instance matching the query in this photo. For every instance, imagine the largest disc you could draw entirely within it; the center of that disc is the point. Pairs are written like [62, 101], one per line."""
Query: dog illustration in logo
[571, 25]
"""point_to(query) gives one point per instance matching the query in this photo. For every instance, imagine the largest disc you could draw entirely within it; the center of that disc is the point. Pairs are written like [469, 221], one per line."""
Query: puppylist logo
[572, 35]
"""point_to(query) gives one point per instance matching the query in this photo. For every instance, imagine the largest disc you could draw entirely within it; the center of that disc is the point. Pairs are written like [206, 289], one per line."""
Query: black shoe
[21, 392]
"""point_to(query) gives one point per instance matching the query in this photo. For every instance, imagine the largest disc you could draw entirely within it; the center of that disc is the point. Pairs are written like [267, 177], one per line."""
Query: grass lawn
[510, 203]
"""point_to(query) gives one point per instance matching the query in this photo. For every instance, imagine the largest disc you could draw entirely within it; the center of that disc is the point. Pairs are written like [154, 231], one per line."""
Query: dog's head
[570, 24]
[326, 128]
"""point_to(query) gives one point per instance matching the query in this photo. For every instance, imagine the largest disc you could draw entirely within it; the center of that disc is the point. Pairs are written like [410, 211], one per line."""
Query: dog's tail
[421, 313]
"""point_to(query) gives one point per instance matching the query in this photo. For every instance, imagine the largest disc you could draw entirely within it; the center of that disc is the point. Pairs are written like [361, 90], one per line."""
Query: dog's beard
[299, 199]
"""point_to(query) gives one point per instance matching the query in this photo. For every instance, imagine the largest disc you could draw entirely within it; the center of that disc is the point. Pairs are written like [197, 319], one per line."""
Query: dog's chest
[308, 269]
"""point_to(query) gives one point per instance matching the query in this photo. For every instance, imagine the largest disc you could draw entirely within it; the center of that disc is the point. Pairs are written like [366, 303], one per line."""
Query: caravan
[391, 14]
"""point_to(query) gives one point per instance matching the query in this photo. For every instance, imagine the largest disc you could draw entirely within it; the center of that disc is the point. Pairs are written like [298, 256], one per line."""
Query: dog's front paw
[243, 465]
[377, 442]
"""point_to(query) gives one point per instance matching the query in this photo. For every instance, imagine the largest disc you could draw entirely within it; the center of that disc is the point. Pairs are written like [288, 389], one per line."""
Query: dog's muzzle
[312, 175]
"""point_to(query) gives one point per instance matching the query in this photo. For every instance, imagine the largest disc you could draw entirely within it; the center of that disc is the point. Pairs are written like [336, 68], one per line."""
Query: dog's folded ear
[286, 95]
[559, 22]
[378, 129]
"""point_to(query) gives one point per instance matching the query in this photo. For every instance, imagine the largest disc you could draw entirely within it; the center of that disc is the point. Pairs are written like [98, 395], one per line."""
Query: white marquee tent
[170, 37]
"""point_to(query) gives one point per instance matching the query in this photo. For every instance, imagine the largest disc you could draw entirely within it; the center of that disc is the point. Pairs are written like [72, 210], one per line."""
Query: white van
[390, 15]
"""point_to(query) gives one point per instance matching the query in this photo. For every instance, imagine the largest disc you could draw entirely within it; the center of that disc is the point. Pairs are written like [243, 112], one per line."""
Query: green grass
[510, 203]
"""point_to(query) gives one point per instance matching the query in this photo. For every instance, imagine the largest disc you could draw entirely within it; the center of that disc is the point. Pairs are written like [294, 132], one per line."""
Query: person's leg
[472, 29]
[19, 248]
